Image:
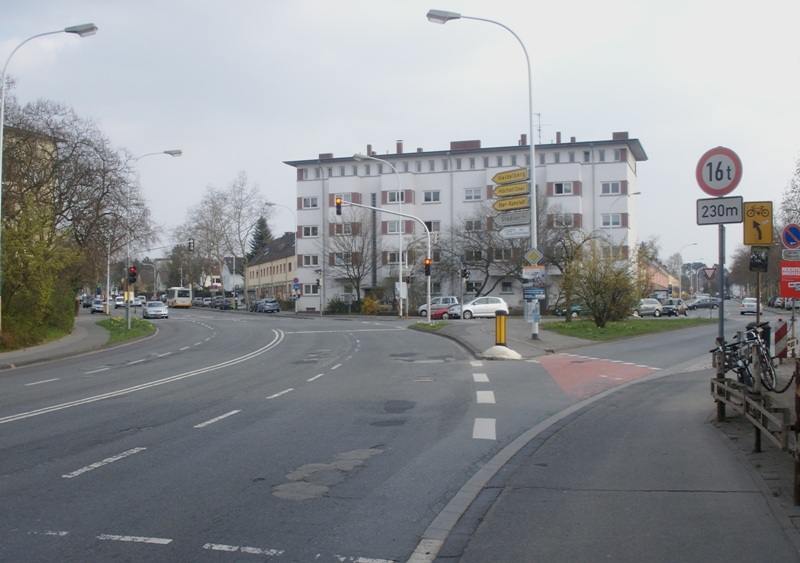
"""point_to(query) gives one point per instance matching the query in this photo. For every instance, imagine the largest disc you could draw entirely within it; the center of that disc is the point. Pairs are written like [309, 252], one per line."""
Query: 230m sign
[717, 210]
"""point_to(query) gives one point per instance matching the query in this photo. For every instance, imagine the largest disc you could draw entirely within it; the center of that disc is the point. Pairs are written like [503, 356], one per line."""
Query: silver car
[649, 307]
[155, 310]
[482, 307]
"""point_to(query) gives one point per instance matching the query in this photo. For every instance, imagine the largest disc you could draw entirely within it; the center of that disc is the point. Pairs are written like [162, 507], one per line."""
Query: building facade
[271, 273]
[589, 185]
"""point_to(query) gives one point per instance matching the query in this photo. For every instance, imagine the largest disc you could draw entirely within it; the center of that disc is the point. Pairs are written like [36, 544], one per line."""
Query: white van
[439, 302]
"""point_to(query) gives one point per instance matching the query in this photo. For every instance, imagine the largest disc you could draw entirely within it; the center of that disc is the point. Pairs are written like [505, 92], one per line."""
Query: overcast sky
[244, 85]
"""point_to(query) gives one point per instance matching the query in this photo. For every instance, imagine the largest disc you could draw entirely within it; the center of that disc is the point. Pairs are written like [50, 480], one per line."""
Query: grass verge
[622, 329]
[118, 331]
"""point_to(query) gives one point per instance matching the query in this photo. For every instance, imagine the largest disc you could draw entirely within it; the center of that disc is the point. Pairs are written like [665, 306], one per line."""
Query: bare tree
[353, 254]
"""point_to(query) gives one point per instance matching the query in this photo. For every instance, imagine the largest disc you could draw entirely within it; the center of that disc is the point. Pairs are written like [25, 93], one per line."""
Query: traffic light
[318, 284]
[191, 245]
[466, 274]
[132, 273]
[338, 206]
[427, 266]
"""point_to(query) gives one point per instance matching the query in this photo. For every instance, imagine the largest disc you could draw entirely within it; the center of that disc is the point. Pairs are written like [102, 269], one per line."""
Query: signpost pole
[721, 282]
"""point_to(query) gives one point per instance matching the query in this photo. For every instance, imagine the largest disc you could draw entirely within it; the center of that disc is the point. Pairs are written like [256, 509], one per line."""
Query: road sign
[534, 275]
[522, 217]
[791, 236]
[512, 203]
[533, 256]
[719, 171]
[517, 175]
[709, 273]
[519, 231]
[790, 279]
[506, 190]
[791, 254]
[719, 210]
[757, 223]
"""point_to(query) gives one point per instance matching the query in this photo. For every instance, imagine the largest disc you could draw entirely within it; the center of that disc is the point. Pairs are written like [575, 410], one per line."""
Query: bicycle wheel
[767, 369]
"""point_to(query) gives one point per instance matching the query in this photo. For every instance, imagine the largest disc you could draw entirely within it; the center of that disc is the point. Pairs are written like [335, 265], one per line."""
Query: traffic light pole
[418, 220]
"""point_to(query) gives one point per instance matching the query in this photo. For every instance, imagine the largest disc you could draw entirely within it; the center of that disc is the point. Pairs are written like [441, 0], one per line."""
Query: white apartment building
[589, 184]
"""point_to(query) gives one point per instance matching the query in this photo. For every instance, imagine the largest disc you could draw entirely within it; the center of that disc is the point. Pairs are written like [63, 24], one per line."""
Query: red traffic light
[132, 273]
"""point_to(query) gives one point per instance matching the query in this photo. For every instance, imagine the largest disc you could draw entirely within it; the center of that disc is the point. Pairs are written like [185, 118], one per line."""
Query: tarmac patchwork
[582, 376]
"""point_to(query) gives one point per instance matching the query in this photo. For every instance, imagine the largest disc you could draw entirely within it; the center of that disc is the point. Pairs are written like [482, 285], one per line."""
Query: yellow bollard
[500, 328]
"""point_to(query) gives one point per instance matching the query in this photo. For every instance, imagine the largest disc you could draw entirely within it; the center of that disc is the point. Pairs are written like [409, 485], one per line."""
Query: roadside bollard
[500, 328]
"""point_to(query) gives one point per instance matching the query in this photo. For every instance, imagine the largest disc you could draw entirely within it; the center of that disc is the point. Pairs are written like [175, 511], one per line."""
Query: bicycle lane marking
[582, 376]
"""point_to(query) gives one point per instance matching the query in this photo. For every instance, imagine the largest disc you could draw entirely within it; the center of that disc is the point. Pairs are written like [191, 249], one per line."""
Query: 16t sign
[719, 171]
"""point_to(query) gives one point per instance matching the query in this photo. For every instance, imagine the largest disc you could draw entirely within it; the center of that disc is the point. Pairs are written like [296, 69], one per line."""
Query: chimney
[400, 146]
[369, 150]
[419, 149]
[325, 155]
[523, 140]
[558, 137]
[619, 136]
[572, 139]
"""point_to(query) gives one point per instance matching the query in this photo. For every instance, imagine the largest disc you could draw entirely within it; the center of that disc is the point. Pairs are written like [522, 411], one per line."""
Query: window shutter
[623, 187]
[577, 220]
[576, 187]
[623, 221]
[550, 189]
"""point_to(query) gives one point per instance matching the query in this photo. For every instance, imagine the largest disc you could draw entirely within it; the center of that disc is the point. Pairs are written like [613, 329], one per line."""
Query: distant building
[588, 183]
[272, 271]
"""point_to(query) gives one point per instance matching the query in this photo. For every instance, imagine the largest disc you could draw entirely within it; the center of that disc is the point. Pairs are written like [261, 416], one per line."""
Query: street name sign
[718, 210]
[518, 175]
[719, 171]
[513, 218]
[507, 190]
[511, 203]
[519, 231]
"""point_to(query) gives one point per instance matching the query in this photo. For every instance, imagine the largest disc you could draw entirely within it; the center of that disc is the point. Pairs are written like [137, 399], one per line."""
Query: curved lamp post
[442, 17]
[82, 30]
[611, 215]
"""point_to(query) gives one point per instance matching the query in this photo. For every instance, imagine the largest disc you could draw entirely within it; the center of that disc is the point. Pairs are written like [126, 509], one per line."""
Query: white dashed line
[336, 366]
[106, 461]
[134, 539]
[134, 362]
[248, 550]
[95, 371]
[217, 419]
[480, 378]
[281, 393]
[164, 354]
[484, 429]
[476, 363]
[44, 381]
[184, 348]
[486, 397]
[315, 377]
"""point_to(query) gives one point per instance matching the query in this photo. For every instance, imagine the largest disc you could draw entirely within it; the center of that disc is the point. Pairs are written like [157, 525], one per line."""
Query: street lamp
[359, 156]
[442, 17]
[294, 216]
[680, 273]
[82, 30]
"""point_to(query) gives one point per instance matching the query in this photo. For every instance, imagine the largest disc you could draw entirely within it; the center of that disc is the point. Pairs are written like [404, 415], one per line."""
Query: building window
[601, 155]
[395, 197]
[405, 166]
[472, 163]
[506, 287]
[304, 174]
[367, 169]
[343, 258]
[393, 257]
[431, 196]
[310, 232]
[458, 164]
[310, 289]
[310, 260]
[563, 220]
[472, 194]
[612, 219]
[431, 165]
[395, 227]
[612, 252]
[503, 254]
[343, 229]
[348, 197]
[433, 227]
[473, 256]
[445, 164]
[528, 159]
[310, 202]
[380, 168]
[609, 188]
[355, 170]
[513, 160]
[486, 162]
[587, 156]
[499, 161]
[436, 288]
[341, 171]
[571, 156]
[473, 287]
[541, 159]
[617, 155]
[562, 188]
[418, 165]
[317, 173]
[473, 225]
[556, 157]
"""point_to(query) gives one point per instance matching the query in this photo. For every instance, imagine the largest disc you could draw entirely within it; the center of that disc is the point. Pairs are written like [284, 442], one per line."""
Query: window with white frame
[472, 194]
[445, 164]
[612, 252]
[562, 188]
[500, 160]
[473, 287]
[431, 196]
[473, 255]
[367, 169]
[571, 156]
[503, 254]
[473, 225]
[612, 219]
[418, 165]
[472, 163]
[396, 197]
[395, 227]
[541, 158]
[513, 160]
[393, 257]
[506, 287]
[310, 289]
[436, 288]
[310, 260]
[317, 173]
[343, 229]
[355, 170]
[310, 231]
[608, 188]
[341, 171]
[343, 258]
[406, 166]
[458, 164]
[617, 154]
[310, 202]
[587, 156]
[433, 226]
[348, 197]
[601, 155]
[486, 162]
[431, 165]
[556, 157]
[563, 219]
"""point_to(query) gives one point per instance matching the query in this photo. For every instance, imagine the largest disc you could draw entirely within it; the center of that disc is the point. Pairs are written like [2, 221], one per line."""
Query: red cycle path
[582, 376]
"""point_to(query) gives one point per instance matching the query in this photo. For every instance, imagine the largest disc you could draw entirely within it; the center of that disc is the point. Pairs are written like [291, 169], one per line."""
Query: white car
[155, 310]
[119, 302]
[749, 305]
[482, 307]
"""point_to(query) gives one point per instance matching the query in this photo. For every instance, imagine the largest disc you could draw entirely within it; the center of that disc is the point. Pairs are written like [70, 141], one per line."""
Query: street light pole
[83, 30]
[359, 156]
[442, 17]
[680, 273]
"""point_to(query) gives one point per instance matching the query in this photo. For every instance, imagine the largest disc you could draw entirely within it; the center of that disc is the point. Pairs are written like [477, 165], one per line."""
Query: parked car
[482, 307]
[86, 301]
[197, 302]
[440, 314]
[789, 302]
[649, 306]
[454, 311]
[704, 303]
[206, 302]
[674, 306]
[438, 302]
[119, 302]
[155, 310]
[217, 301]
[97, 306]
[574, 310]
[778, 303]
[749, 305]
[268, 305]
[140, 300]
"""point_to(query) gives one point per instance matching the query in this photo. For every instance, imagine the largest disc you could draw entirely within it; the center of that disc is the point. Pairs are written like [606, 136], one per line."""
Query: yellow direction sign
[506, 190]
[512, 203]
[511, 176]
[757, 223]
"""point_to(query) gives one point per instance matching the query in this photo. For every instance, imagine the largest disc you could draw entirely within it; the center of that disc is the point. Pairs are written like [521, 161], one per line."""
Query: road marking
[281, 393]
[217, 419]
[480, 378]
[315, 377]
[184, 348]
[44, 381]
[248, 550]
[134, 539]
[476, 363]
[279, 335]
[486, 397]
[336, 366]
[164, 354]
[106, 461]
[483, 429]
[135, 362]
[95, 371]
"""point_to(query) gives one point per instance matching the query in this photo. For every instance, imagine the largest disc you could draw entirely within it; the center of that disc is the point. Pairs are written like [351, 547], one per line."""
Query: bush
[369, 306]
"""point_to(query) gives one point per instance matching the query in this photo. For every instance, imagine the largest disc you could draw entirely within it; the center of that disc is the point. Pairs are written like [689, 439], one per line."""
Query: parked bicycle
[739, 357]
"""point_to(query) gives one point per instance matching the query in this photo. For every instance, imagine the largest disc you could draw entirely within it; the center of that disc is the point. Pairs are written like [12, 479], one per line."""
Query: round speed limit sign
[719, 171]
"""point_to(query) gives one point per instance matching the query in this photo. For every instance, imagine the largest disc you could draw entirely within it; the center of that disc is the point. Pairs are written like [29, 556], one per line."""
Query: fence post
[719, 364]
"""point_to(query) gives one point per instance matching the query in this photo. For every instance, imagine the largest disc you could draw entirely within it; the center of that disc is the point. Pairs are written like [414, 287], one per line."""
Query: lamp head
[174, 152]
[359, 156]
[83, 30]
[442, 16]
